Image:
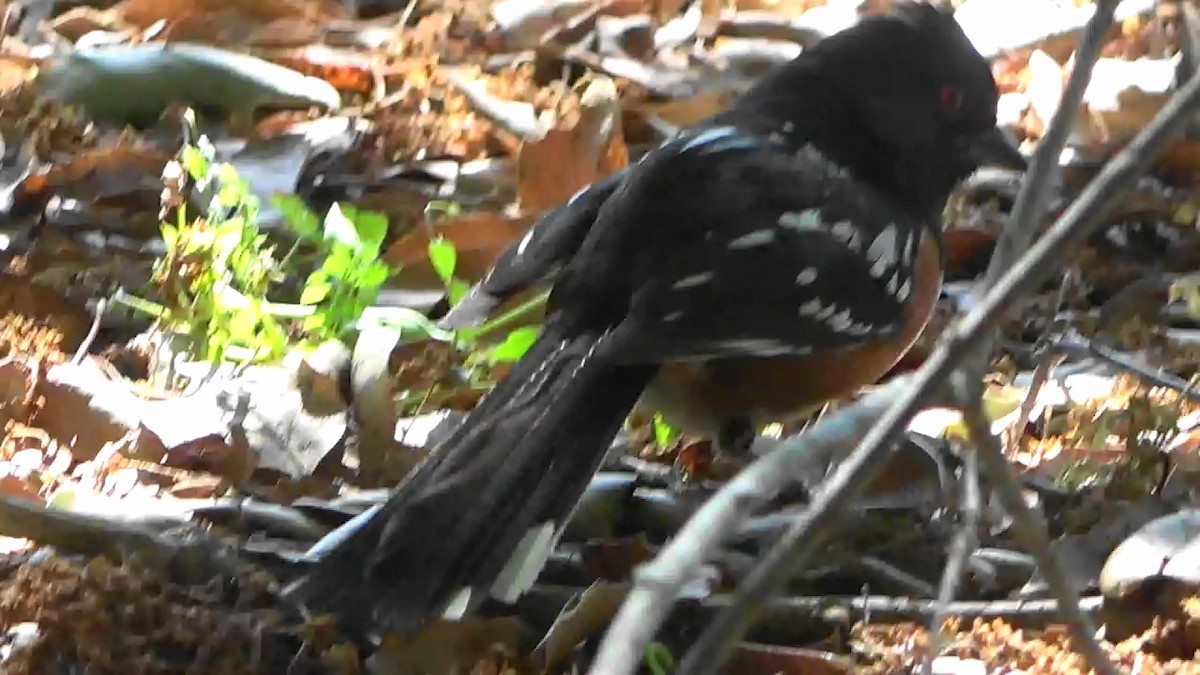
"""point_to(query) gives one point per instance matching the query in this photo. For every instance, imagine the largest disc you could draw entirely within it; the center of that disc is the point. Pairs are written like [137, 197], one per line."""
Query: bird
[781, 253]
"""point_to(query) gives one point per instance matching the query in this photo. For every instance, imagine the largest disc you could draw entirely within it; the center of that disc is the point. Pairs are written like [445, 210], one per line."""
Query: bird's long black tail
[520, 460]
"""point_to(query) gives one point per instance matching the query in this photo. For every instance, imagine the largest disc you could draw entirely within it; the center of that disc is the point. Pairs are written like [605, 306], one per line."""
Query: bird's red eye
[951, 98]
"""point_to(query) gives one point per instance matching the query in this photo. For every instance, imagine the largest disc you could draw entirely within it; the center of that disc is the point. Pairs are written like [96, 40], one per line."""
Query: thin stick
[1031, 531]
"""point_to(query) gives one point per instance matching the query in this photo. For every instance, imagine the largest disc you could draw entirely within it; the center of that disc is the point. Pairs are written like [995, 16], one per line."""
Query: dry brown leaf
[144, 13]
[788, 7]
[222, 29]
[79, 21]
[12, 486]
[665, 10]
[286, 32]
[564, 161]
[479, 238]
[688, 111]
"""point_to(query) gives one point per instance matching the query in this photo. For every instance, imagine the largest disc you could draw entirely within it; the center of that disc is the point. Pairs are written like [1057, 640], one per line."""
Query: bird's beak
[996, 148]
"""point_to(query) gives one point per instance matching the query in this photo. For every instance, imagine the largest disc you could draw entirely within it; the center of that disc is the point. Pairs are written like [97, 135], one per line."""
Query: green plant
[664, 434]
[347, 281]
[217, 270]
[658, 658]
[443, 256]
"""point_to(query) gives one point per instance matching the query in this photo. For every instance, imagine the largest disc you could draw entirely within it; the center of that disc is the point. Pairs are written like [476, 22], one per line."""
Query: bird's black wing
[537, 255]
[726, 243]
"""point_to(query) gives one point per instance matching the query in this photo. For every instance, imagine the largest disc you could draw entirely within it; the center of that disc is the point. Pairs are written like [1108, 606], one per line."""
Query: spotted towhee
[783, 252]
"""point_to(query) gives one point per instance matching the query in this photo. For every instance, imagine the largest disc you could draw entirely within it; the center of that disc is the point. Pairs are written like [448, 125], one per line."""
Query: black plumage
[784, 226]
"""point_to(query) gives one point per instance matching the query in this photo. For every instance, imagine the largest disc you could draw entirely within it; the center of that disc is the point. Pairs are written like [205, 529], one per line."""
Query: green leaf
[456, 290]
[373, 275]
[515, 344]
[444, 207]
[194, 162]
[315, 292]
[315, 322]
[372, 228]
[658, 658]
[340, 228]
[229, 234]
[297, 215]
[339, 261]
[227, 174]
[243, 325]
[444, 258]
[170, 235]
[664, 434]
[406, 320]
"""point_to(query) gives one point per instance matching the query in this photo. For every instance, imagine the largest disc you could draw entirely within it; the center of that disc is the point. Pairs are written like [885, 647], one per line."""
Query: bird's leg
[736, 436]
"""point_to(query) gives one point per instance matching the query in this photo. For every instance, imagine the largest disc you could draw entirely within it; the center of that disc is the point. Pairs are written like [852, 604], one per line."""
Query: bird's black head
[926, 97]
[903, 100]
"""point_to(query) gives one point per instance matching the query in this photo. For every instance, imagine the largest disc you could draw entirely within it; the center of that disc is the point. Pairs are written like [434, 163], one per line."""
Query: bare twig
[1032, 532]
[1044, 165]
[1078, 345]
[966, 540]
[1023, 224]
[801, 610]
[802, 539]
[1041, 374]
[86, 345]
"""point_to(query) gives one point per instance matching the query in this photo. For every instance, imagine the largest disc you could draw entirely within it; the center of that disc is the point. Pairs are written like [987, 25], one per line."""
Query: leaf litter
[174, 441]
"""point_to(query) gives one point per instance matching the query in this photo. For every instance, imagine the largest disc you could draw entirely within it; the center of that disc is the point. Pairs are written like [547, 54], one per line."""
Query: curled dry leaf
[521, 24]
[79, 21]
[479, 239]
[562, 162]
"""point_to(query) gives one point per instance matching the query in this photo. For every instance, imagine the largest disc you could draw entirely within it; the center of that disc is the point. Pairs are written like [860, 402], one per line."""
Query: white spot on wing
[845, 232]
[752, 239]
[673, 316]
[893, 283]
[525, 242]
[811, 307]
[806, 276]
[904, 291]
[841, 321]
[761, 347]
[811, 154]
[884, 247]
[879, 269]
[693, 281]
[709, 136]
[826, 312]
[808, 219]
[458, 605]
[525, 563]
